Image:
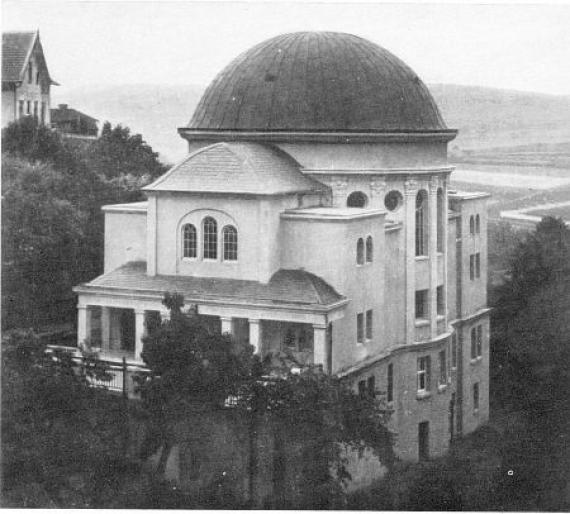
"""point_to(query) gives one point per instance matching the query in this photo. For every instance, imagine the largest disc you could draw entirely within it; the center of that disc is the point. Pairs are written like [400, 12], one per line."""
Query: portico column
[410, 192]
[432, 251]
[320, 346]
[139, 333]
[105, 328]
[255, 335]
[227, 325]
[83, 325]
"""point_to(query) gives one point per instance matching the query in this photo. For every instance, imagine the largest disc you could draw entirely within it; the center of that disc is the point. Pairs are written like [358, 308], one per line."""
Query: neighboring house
[73, 122]
[313, 218]
[26, 80]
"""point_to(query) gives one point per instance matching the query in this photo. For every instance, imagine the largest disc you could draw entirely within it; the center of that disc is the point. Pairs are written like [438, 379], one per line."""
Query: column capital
[139, 312]
[227, 318]
[81, 306]
[433, 186]
[320, 326]
[411, 187]
[378, 186]
[339, 183]
[255, 321]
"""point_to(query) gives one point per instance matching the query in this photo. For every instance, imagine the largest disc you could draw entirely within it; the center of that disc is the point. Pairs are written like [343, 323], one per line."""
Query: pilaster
[410, 193]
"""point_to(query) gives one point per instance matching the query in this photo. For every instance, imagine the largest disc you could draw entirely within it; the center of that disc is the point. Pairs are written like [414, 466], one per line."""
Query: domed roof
[315, 82]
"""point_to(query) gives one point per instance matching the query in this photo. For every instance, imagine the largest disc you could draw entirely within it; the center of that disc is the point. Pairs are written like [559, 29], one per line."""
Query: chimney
[62, 106]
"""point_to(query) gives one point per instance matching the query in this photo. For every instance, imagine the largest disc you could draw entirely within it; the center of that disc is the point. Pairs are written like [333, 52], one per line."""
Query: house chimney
[62, 106]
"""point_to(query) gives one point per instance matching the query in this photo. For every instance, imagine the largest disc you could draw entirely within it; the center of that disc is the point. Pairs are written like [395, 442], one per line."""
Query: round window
[393, 200]
[357, 199]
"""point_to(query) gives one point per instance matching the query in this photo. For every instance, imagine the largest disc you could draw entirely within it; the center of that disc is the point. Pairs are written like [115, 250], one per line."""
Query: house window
[357, 199]
[35, 109]
[472, 225]
[362, 388]
[477, 265]
[421, 223]
[472, 267]
[210, 238]
[422, 304]
[479, 341]
[230, 243]
[477, 224]
[423, 374]
[38, 77]
[20, 108]
[440, 301]
[393, 200]
[360, 252]
[454, 351]
[43, 113]
[29, 107]
[30, 72]
[369, 321]
[371, 386]
[442, 368]
[476, 396]
[189, 243]
[473, 343]
[423, 440]
[390, 388]
[440, 226]
[369, 249]
[360, 327]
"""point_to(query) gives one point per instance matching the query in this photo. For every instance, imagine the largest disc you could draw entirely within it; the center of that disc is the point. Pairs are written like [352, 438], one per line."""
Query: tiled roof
[286, 287]
[317, 81]
[68, 114]
[236, 168]
[16, 48]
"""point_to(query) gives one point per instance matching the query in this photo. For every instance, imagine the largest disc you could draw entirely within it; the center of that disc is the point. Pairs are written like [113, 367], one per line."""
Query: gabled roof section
[286, 287]
[247, 168]
[17, 48]
[68, 114]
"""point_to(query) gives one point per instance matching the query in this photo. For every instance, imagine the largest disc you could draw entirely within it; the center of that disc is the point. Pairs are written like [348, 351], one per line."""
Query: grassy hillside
[486, 118]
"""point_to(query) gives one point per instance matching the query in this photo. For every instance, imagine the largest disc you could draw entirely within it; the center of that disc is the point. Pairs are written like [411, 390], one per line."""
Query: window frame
[360, 328]
[478, 265]
[471, 225]
[473, 335]
[360, 252]
[472, 266]
[227, 248]
[185, 227]
[476, 397]
[423, 295]
[207, 244]
[440, 301]
[369, 325]
[390, 383]
[423, 374]
[362, 200]
[371, 386]
[369, 245]
[440, 231]
[421, 218]
[477, 224]
[479, 341]
[442, 358]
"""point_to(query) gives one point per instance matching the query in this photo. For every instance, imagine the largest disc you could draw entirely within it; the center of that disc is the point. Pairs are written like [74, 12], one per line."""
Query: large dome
[317, 82]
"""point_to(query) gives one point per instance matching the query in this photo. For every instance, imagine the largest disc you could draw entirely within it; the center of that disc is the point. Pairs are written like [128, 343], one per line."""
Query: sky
[517, 46]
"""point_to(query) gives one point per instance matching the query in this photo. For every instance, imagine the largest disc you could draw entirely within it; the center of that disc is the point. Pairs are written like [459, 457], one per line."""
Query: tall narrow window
[360, 327]
[20, 108]
[454, 351]
[442, 368]
[440, 301]
[210, 231]
[38, 77]
[440, 224]
[371, 386]
[36, 110]
[369, 324]
[43, 113]
[422, 304]
[369, 249]
[423, 374]
[472, 267]
[29, 107]
[473, 343]
[476, 396]
[421, 223]
[477, 224]
[360, 251]
[189, 241]
[479, 340]
[30, 72]
[362, 388]
[390, 388]
[423, 441]
[477, 264]
[230, 243]
[471, 225]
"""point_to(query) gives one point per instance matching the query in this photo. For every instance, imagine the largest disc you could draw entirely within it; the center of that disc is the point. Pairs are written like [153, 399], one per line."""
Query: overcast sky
[514, 46]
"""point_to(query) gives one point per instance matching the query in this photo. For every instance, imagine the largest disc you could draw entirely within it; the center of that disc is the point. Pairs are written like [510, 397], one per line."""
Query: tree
[193, 368]
[118, 153]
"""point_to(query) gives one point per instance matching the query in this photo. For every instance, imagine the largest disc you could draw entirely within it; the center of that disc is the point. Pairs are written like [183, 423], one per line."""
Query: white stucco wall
[125, 238]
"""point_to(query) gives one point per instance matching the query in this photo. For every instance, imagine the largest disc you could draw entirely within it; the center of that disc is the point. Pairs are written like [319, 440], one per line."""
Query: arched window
[357, 199]
[360, 251]
[230, 237]
[421, 223]
[210, 231]
[440, 224]
[189, 246]
[369, 249]
[472, 225]
[477, 224]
